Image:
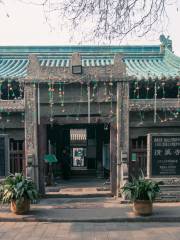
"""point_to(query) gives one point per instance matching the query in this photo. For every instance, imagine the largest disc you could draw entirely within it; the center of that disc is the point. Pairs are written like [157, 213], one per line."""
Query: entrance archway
[87, 158]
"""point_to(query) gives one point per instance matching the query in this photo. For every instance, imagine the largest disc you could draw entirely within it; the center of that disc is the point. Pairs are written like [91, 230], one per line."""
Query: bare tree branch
[107, 19]
[110, 19]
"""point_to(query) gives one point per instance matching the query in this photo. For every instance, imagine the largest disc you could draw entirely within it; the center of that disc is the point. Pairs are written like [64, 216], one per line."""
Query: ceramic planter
[20, 208]
[142, 207]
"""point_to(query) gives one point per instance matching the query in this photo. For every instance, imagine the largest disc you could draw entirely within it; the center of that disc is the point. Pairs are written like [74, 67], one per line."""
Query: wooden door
[16, 156]
[138, 156]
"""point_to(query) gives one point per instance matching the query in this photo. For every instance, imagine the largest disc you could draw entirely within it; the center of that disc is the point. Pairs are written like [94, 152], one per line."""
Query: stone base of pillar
[124, 178]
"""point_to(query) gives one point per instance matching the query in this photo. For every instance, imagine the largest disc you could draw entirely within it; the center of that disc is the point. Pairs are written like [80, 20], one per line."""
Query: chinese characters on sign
[165, 155]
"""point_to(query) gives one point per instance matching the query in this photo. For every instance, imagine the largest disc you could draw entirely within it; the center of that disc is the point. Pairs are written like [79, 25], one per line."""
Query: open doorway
[83, 158]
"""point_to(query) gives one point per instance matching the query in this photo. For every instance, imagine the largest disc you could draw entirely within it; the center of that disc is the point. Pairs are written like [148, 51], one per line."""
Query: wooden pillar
[42, 150]
[119, 130]
[31, 151]
[122, 133]
[99, 147]
[119, 139]
[113, 157]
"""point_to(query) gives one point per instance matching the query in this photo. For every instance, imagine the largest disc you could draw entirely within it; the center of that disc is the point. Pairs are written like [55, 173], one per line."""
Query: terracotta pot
[20, 208]
[142, 207]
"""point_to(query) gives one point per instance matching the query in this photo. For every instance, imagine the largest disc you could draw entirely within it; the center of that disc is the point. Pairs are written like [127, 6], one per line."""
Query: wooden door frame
[42, 148]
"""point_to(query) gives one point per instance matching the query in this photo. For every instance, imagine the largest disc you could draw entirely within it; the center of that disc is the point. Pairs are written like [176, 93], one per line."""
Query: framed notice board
[163, 155]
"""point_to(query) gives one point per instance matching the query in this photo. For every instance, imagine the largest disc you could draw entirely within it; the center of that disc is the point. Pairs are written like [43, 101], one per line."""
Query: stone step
[170, 187]
[169, 193]
[83, 173]
[91, 195]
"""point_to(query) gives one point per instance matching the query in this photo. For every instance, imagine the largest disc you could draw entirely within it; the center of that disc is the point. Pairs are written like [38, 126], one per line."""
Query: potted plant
[19, 192]
[142, 192]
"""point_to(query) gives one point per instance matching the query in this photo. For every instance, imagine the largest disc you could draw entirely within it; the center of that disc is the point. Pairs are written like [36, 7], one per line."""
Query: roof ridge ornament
[166, 41]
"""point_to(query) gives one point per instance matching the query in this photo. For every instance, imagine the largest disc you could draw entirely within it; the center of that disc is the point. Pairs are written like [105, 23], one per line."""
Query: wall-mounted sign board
[163, 155]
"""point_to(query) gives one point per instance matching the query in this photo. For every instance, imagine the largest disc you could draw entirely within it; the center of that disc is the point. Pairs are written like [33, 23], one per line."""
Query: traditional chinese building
[99, 102]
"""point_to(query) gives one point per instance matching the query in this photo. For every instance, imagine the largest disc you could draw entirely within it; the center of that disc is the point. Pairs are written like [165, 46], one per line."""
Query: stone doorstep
[77, 195]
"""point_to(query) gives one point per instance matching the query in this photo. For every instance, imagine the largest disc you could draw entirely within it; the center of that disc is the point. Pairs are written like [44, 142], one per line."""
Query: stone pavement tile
[61, 234]
[76, 227]
[58, 238]
[5, 227]
[88, 235]
[173, 229]
[118, 234]
[21, 236]
[6, 238]
[139, 231]
[65, 226]
[18, 226]
[47, 238]
[88, 226]
[71, 234]
[2, 227]
[75, 235]
[115, 225]
[101, 235]
[29, 227]
[140, 235]
[62, 238]
[161, 232]
[50, 230]
[1, 235]
[152, 231]
[34, 238]
[99, 227]
[10, 234]
[39, 230]
[66, 238]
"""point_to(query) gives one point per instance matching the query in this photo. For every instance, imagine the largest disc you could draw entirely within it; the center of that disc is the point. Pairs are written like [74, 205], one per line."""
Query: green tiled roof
[141, 61]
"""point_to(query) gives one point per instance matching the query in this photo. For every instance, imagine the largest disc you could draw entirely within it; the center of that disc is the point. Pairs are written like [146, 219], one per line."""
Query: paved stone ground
[89, 231]
[90, 210]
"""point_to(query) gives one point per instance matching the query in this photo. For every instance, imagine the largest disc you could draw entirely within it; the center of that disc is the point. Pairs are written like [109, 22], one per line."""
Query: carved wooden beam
[148, 104]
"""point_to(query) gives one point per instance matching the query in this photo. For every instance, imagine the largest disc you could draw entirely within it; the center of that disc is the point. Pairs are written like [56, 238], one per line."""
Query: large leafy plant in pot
[19, 191]
[142, 192]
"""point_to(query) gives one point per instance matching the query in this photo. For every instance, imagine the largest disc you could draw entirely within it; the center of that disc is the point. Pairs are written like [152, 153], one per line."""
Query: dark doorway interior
[87, 147]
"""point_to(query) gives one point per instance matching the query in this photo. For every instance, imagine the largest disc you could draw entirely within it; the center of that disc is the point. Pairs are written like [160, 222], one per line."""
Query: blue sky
[26, 25]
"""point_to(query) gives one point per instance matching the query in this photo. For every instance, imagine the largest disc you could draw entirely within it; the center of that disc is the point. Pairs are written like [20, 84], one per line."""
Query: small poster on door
[78, 157]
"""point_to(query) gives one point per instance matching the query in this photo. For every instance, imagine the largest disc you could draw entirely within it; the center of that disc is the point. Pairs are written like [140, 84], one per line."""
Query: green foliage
[17, 187]
[141, 189]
